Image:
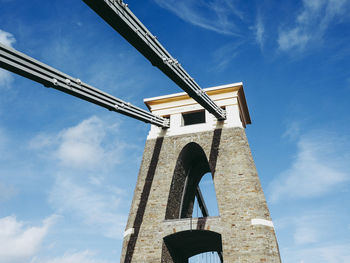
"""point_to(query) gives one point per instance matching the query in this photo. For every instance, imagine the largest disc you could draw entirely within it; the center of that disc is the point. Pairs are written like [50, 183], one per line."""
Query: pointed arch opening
[205, 192]
[186, 193]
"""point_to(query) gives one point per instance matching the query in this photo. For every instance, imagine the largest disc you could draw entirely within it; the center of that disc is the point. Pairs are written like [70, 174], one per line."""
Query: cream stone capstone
[230, 97]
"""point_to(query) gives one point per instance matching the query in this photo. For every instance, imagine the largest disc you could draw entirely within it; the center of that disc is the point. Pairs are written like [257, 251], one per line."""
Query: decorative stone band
[128, 232]
[263, 222]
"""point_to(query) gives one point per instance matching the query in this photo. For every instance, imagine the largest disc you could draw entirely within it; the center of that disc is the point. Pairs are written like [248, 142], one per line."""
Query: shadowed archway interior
[185, 244]
[191, 165]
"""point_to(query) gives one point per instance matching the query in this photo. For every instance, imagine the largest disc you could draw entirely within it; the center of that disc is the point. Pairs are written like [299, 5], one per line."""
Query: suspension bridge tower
[160, 226]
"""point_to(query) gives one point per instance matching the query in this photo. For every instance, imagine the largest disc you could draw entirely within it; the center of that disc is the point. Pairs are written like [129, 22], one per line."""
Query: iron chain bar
[117, 14]
[21, 64]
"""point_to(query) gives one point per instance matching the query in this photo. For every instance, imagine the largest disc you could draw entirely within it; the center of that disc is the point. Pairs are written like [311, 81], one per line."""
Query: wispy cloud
[19, 242]
[311, 23]
[313, 235]
[76, 257]
[310, 227]
[220, 16]
[294, 38]
[95, 206]
[225, 54]
[333, 253]
[293, 130]
[6, 78]
[84, 146]
[319, 167]
[259, 30]
[232, 7]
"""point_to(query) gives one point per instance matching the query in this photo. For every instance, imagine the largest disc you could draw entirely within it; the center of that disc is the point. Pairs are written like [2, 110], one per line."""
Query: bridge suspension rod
[201, 202]
[21, 64]
[117, 14]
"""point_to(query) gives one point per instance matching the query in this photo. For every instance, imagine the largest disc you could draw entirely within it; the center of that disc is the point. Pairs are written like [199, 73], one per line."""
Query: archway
[179, 247]
[191, 165]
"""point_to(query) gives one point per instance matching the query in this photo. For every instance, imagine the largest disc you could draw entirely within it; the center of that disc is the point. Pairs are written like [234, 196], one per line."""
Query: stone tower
[160, 227]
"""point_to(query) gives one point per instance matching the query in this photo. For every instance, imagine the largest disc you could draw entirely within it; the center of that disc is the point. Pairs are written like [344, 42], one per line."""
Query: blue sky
[68, 168]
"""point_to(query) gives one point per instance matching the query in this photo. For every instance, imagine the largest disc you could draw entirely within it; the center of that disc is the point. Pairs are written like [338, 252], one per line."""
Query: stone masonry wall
[239, 195]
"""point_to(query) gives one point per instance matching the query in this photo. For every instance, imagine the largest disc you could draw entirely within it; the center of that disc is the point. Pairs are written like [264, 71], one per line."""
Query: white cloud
[18, 242]
[311, 23]
[81, 145]
[219, 15]
[7, 38]
[87, 154]
[84, 146]
[95, 206]
[77, 257]
[320, 166]
[6, 78]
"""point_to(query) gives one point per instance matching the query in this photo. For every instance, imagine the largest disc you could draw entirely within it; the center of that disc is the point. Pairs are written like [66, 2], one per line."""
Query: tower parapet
[184, 112]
